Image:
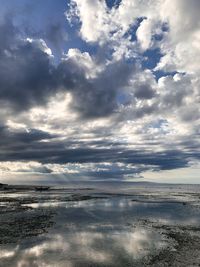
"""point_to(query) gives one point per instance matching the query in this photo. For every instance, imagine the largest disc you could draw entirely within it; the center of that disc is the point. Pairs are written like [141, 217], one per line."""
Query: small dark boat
[3, 186]
[42, 188]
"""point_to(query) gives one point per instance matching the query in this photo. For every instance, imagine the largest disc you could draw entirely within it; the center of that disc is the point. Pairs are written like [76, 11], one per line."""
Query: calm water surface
[97, 232]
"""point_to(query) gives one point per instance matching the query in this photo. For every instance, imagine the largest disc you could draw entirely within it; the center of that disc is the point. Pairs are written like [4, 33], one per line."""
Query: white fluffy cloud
[181, 44]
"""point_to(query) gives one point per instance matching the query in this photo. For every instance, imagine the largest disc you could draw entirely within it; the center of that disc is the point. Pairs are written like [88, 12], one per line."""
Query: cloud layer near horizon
[113, 97]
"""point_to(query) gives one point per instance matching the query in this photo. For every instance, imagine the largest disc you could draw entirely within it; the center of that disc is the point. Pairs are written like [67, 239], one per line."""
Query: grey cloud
[61, 152]
[98, 97]
[25, 70]
[190, 113]
[7, 34]
[10, 138]
[118, 174]
[36, 169]
[28, 78]
[21, 146]
[145, 110]
[56, 35]
[144, 91]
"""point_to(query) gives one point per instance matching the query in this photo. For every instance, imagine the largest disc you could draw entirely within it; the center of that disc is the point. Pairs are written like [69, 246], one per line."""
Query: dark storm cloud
[10, 138]
[27, 146]
[28, 77]
[25, 70]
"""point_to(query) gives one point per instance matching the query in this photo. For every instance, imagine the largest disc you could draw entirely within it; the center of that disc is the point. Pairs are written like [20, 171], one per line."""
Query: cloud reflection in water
[84, 248]
[97, 232]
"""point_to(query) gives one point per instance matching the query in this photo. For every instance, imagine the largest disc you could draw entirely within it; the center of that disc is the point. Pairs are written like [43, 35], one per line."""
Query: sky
[94, 90]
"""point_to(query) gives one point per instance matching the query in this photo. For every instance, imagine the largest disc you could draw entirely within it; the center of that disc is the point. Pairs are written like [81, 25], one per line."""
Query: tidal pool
[92, 228]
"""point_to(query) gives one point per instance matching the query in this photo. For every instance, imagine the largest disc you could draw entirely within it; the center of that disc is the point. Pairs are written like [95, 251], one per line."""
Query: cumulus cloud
[102, 110]
[28, 77]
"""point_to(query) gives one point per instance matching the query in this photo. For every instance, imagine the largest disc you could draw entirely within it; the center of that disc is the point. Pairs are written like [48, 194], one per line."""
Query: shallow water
[107, 231]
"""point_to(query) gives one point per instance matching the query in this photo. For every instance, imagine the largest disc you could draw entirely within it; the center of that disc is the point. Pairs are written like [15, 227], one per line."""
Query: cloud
[28, 77]
[103, 109]
[95, 96]
[25, 69]
[31, 147]
[24, 167]
[180, 33]
[56, 35]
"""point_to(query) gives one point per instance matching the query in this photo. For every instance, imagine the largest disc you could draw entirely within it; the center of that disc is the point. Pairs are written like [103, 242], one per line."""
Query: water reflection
[96, 232]
[84, 248]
